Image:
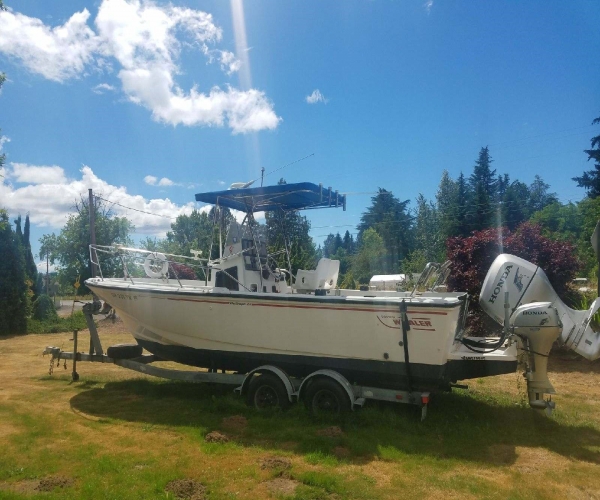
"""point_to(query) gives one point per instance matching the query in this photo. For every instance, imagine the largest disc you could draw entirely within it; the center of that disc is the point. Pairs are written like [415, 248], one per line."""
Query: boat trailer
[130, 356]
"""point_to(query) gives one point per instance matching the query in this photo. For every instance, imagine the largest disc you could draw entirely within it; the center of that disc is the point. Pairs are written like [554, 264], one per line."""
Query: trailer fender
[289, 387]
[340, 379]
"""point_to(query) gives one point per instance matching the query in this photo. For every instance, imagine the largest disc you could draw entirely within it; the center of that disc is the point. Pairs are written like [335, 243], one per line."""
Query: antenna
[262, 176]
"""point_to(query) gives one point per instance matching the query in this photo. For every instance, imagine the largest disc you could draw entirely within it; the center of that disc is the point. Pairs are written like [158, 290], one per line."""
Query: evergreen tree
[390, 218]
[349, 242]
[370, 259]
[503, 183]
[14, 300]
[539, 197]
[590, 180]
[447, 209]
[514, 209]
[484, 189]
[483, 175]
[30, 266]
[426, 230]
[462, 206]
[291, 230]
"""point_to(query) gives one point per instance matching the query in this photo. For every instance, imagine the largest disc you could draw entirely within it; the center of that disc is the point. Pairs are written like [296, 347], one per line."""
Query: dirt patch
[282, 486]
[187, 489]
[51, 482]
[216, 437]
[333, 431]
[281, 463]
[235, 423]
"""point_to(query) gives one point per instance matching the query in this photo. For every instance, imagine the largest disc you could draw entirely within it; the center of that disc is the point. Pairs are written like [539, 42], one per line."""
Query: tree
[349, 244]
[514, 208]
[370, 259]
[483, 186]
[483, 175]
[71, 247]
[447, 208]
[472, 257]
[389, 217]
[30, 266]
[590, 180]
[426, 230]
[462, 203]
[289, 229]
[539, 197]
[191, 232]
[14, 300]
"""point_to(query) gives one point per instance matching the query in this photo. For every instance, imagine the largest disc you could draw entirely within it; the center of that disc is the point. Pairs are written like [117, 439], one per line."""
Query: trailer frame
[295, 387]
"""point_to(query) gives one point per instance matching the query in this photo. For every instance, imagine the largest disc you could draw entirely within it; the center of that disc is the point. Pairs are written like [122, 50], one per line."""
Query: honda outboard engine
[537, 318]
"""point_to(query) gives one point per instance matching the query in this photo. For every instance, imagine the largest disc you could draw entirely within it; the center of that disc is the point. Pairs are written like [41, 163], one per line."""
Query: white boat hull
[359, 336]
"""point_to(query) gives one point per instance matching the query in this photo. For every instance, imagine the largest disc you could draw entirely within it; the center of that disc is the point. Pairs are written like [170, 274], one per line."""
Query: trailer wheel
[325, 396]
[267, 391]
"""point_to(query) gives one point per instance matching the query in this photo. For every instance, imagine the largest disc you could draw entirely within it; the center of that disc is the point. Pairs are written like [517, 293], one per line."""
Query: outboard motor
[537, 317]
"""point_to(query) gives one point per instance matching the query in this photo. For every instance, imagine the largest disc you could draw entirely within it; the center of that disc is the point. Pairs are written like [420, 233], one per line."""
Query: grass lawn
[119, 434]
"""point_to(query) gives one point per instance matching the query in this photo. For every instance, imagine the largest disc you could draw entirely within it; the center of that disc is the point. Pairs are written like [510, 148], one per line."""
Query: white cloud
[166, 182]
[146, 40]
[56, 53]
[101, 88]
[316, 97]
[32, 174]
[229, 63]
[49, 204]
[428, 5]
[150, 179]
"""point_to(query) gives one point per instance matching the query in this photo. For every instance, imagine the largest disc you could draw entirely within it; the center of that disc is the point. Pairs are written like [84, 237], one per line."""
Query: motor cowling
[527, 283]
[537, 326]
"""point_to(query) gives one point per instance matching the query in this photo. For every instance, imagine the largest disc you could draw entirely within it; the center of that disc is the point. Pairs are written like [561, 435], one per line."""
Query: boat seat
[324, 277]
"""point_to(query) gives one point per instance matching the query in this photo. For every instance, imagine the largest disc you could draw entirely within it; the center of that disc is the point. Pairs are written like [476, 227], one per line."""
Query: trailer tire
[267, 391]
[124, 351]
[325, 396]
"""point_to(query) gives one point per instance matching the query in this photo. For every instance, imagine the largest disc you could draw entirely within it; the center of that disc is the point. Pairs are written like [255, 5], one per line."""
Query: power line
[134, 209]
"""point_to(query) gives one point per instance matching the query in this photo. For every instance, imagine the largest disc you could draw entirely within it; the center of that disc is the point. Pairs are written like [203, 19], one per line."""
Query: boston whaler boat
[299, 336]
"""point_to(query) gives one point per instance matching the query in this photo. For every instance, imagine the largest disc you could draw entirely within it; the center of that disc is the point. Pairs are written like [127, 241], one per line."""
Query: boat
[248, 312]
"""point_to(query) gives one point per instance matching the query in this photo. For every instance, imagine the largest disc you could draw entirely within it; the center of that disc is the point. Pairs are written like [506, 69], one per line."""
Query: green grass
[74, 322]
[128, 438]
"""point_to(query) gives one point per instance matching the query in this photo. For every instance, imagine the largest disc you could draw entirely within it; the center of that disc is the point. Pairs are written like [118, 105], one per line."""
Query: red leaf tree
[472, 256]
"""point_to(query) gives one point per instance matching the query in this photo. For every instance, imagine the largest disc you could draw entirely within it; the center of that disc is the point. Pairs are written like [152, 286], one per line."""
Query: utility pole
[91, 208]
[47, 273]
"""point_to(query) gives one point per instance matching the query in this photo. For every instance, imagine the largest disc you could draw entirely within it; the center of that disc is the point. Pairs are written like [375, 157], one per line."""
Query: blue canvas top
[300, 196]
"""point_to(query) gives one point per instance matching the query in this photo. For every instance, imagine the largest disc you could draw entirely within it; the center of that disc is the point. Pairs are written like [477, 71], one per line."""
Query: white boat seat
[324, 277]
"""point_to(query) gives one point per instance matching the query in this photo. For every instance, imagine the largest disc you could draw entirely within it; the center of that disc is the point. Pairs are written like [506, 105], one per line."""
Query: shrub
[472, 256]
[181, 271]
[43, 308]
[55, 325]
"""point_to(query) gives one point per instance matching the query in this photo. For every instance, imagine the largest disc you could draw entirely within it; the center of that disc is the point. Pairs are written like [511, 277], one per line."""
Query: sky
[149, 102]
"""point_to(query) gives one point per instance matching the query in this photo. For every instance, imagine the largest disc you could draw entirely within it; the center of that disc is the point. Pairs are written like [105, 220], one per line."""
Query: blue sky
[119, 94]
